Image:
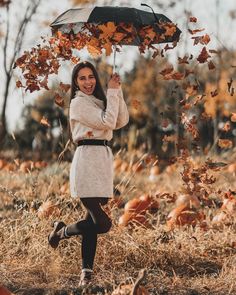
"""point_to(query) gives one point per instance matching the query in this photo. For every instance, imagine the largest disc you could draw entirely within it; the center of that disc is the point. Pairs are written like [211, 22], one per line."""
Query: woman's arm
[123, 114]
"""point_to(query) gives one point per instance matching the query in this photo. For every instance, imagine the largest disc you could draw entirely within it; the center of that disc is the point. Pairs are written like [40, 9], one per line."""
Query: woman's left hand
[114, 82]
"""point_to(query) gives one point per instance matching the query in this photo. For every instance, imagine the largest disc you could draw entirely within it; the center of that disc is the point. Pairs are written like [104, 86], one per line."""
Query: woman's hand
[114, 82]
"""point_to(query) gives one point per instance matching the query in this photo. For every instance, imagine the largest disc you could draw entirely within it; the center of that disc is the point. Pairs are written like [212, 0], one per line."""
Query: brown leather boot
[86, 277]
[57, 234]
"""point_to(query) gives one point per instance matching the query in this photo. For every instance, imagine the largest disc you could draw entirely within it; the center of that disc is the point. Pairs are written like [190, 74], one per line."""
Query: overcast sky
[204, 10]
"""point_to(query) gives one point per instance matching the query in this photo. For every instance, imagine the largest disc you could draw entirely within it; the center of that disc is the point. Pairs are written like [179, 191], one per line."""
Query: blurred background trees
[156, 106]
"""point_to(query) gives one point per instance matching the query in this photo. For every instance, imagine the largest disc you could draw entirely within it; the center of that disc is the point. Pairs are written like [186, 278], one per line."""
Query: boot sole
[53, 239]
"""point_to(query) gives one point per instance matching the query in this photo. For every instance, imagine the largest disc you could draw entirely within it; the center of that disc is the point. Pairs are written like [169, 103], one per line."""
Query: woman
[93, 117]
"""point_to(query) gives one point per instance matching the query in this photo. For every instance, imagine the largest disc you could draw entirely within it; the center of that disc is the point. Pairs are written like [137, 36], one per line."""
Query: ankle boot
[57, 234]
[86, 277]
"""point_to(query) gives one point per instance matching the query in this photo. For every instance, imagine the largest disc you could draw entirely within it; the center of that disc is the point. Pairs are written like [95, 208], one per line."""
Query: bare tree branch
[22, 29]
[6, 42]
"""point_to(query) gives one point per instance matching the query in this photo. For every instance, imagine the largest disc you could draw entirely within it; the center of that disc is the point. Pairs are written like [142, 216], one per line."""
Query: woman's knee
[104, 226]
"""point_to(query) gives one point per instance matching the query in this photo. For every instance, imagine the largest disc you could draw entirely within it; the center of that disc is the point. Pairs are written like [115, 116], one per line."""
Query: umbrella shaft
[114, 60]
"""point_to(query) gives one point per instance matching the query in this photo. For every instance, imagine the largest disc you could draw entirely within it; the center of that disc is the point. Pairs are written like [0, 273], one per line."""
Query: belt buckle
[104, 142]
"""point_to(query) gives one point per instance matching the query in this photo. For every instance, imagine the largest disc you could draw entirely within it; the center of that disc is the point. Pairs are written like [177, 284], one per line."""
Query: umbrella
[138, 22]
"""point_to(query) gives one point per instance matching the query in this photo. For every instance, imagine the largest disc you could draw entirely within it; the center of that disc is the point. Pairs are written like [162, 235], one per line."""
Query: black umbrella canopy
[74, 19]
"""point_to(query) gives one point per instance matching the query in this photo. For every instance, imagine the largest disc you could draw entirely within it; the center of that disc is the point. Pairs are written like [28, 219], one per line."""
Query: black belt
[94, 142]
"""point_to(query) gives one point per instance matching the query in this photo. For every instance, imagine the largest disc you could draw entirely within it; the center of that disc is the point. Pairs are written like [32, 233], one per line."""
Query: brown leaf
[225, 143]
[211, 65]
[64, 87]
[59, 100]
[229, 84]
[203, 56]
[183, 60]
[19, 84]
[167, 70]
[227, 127]
[192, 32]
[214, 93]
[233, 117]
[193, 19]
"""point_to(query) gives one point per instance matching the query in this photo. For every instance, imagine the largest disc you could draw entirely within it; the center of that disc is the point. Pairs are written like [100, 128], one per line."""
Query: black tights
[96, 221]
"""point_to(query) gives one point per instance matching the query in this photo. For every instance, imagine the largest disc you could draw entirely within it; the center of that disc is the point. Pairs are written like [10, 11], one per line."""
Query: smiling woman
[93, 117]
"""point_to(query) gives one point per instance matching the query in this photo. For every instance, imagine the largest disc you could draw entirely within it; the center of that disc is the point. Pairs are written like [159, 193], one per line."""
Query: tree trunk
[3, 123]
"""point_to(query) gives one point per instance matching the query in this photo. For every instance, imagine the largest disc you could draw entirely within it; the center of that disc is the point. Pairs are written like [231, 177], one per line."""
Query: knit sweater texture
[91, 172]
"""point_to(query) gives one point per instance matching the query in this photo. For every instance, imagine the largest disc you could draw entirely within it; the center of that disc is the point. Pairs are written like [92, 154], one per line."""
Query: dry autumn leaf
[192, 19]
[203, 56]
[227, 127]
[225, 143]
[44, 121]
[211, 65]
[192, 32]
[59, 100]
[64, 87]
[233, 117]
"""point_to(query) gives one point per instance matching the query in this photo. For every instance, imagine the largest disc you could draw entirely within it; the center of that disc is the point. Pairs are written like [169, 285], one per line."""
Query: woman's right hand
[114, 82]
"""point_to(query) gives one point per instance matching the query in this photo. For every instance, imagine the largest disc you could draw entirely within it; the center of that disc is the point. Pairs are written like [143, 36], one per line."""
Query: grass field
[199, 259]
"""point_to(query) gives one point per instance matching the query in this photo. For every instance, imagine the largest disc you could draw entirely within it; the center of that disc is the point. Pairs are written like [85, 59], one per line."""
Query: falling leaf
[227, 127]
[183, 60]
[214, 93]
[64, 87]
[167, 71]
[44, 121]
[229, 84]
[233, 117]
[204, 40]
[203, 56]
[193, 19]
[18, 84]
[135, 103]
[225, 143]
[192, 32]
[211, 65]
[59, 100]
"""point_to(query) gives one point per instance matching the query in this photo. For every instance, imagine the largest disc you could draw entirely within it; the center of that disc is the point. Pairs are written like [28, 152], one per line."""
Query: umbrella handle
[114, 60]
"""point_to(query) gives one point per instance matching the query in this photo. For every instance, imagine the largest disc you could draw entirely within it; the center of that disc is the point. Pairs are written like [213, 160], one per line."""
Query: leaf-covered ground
[184, 260]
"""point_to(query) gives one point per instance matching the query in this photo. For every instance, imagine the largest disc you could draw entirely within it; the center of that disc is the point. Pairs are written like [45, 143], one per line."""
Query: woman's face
[86, 81]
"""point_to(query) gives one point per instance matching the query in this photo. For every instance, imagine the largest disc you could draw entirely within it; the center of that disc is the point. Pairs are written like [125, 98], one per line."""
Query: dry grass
[184, 261]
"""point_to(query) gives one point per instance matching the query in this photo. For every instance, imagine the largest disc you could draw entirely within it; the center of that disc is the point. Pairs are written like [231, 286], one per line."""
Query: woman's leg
[95, 218]
[96, 221]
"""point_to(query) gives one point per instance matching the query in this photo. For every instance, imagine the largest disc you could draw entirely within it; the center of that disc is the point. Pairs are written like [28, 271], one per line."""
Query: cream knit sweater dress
[91, 172]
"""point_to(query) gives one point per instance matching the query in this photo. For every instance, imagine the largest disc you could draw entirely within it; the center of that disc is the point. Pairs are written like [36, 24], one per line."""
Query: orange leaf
[233, 117]
[59, 100]
[192, 32]
[18, 84]
[107, 30]
[44, 121]
[135, 103]
[170, 29]
[227, 127]
[225, 143]
[108, 48]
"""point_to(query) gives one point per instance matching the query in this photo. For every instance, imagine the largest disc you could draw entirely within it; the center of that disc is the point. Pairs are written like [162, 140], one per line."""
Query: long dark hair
[98, 91]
